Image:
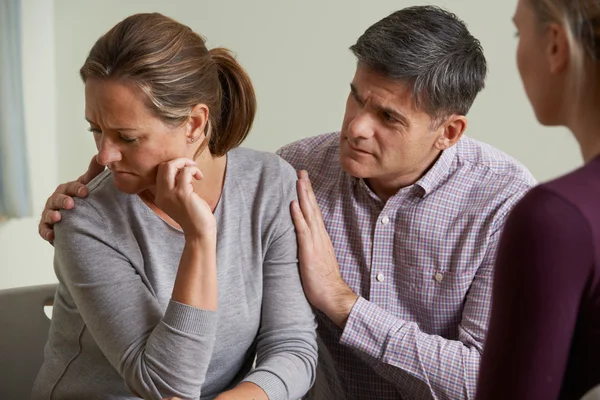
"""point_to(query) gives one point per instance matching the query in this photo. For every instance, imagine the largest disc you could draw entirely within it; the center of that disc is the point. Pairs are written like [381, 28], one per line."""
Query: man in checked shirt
[399, 260]
[399, 223]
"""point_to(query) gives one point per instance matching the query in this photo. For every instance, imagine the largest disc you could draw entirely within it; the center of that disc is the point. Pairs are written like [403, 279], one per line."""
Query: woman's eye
[127, 139]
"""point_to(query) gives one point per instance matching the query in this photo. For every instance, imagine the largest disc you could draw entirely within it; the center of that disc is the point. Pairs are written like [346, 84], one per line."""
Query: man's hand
[62, 199]
[323, 284]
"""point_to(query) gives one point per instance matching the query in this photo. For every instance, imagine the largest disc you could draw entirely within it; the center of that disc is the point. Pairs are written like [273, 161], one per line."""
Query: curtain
[15, 195]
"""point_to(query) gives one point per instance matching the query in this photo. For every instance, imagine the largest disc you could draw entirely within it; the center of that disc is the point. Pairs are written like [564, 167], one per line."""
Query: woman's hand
[244, 391]
[175, 195]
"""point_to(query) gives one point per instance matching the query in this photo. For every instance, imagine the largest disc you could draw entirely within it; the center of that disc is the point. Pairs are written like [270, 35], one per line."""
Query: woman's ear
[558, 49]
[197, 123]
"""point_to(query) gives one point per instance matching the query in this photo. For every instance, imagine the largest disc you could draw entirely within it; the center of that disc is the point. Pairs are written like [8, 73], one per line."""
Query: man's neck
[387, 186]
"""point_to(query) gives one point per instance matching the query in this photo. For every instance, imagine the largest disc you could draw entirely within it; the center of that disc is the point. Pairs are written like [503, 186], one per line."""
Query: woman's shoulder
[553, 217]
[103, 204]
[579, 189]
[260, 183]
[254, 167]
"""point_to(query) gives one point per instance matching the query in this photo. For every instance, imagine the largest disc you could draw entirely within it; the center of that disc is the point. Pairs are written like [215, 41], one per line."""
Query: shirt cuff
[367, 328]
[190, 320]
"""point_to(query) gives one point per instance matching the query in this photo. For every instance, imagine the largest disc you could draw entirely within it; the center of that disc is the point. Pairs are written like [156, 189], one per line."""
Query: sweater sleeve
[544, 261]
[287, 349]
[158, 353]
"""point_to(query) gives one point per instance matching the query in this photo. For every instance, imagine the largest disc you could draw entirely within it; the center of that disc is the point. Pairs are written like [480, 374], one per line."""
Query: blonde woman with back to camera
[544, 335]
[180, 265]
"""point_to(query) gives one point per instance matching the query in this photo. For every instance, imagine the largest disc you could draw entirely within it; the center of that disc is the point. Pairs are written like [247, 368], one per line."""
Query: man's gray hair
[431, 49]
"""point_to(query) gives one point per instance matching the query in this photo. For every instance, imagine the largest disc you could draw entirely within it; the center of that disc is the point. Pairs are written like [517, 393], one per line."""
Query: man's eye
[388, 117]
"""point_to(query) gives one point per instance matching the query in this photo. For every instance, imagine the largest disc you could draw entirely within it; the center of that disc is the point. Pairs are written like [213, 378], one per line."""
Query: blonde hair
[171, 65]
[581, 19]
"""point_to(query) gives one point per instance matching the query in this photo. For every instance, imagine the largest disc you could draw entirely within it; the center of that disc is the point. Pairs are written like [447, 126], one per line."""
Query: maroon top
[544, 336]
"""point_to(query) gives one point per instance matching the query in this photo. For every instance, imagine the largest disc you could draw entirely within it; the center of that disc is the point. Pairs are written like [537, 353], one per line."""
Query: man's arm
[418, 364]
[422, 365]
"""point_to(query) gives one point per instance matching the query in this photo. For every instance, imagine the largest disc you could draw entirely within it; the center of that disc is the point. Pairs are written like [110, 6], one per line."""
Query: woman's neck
[583, 116]
[211, 186]
[585, 125]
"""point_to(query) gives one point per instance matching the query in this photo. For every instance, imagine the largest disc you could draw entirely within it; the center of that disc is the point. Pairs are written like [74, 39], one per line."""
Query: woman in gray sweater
[180, 265]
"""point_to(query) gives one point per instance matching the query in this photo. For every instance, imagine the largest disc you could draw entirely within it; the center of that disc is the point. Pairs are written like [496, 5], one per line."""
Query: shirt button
[385, 220]
[439, 277]
[380, 277]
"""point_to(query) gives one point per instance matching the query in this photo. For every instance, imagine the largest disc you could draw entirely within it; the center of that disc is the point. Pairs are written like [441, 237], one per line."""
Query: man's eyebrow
[394, 113]
[354, 91]
[381, 108]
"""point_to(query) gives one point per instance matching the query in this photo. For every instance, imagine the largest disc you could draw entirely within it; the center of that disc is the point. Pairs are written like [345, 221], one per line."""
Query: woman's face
[131, 141]
[536, 61]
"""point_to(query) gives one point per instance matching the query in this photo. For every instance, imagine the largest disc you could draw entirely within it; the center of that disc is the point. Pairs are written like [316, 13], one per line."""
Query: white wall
[297, 54]
[25, 259]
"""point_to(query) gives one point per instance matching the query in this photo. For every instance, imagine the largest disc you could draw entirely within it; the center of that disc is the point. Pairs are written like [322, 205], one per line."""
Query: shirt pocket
[433, 297]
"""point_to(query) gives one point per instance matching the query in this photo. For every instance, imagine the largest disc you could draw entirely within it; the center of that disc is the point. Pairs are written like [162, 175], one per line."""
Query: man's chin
[354, 168]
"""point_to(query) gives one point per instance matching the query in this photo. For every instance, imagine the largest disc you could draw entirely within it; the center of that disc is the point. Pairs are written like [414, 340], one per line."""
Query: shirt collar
[428, 182]
[436, 174]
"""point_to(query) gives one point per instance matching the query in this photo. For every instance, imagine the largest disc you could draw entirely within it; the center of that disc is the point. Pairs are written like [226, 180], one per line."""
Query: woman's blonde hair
[171, 65]
[581, 19]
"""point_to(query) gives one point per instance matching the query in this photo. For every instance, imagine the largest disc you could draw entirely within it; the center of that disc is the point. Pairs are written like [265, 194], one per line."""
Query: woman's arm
[286, 342]
[196, 281]
[159, 354]
[244, 391]
[544, 261]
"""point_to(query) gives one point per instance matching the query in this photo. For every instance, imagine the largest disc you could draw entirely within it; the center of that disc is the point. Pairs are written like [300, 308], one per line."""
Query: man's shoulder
[314, 154]
[485, 160]
[487, 179]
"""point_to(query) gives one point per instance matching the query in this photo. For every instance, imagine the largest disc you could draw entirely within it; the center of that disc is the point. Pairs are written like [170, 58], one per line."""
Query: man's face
[384, 138]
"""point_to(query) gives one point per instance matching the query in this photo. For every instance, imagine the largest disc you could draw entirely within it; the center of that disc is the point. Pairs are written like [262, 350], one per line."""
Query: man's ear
[451, 131]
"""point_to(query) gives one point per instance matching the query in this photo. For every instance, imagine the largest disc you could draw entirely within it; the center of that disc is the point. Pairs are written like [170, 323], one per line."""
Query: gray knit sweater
[115, 332]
